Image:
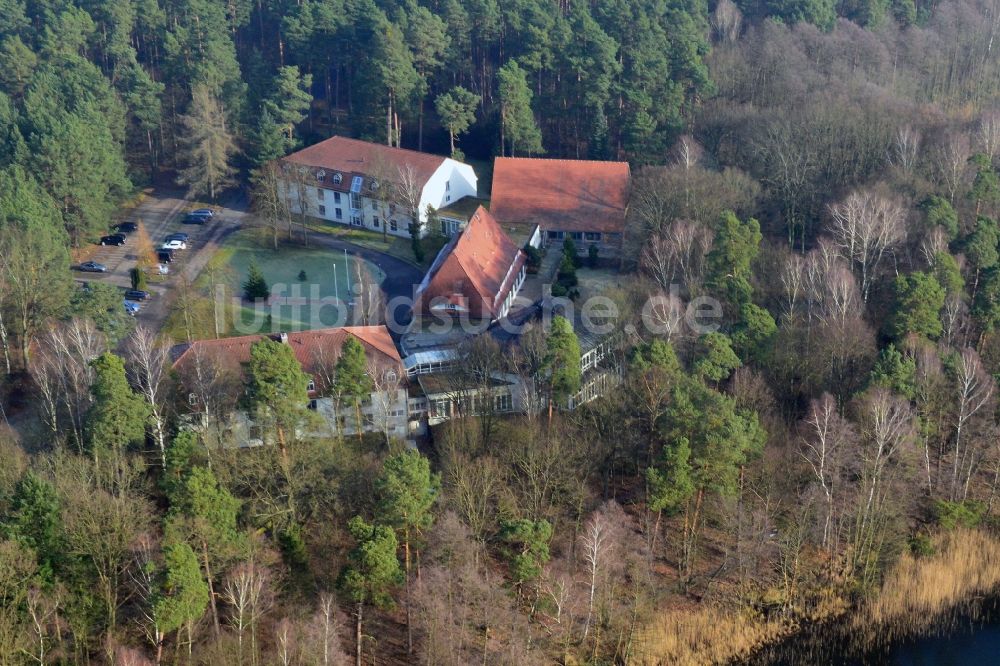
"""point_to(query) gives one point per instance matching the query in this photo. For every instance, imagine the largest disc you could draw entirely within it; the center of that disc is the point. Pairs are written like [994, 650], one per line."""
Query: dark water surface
[967, 638]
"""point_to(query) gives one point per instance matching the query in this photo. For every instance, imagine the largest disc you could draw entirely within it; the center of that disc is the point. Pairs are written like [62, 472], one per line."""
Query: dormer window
[311, 386]
[373, 185]
[320, 175]
[356, 184]
[337, 178]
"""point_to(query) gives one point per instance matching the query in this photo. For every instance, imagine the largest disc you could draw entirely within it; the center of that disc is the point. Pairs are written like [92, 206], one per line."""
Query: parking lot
[162, 213]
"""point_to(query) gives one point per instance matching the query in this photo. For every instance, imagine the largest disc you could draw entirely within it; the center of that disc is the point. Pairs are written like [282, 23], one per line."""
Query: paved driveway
[161, 214]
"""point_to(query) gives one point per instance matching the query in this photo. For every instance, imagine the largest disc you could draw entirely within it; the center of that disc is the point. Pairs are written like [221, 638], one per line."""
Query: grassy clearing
[297, 305]
[396, 246]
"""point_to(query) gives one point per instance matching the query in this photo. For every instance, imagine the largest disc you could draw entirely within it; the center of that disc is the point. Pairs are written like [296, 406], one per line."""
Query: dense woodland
[828, 171]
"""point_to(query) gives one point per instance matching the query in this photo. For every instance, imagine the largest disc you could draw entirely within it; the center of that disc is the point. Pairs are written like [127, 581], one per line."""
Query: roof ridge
[563, 159]
[382, 145]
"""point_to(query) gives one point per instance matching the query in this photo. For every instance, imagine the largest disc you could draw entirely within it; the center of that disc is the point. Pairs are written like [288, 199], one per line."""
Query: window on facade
[355, 201]
[375, 222]
[320, 193]
[192, 399]
[576, 235]
[339, 214]
[447, 186]
[392, 225]
[312, 405]
[555, 235]
[337, 178]
[320, 175]
[593, 236]
[504, 403]
[336, 197]
[448, 198]
[322, 209]
[311, 386]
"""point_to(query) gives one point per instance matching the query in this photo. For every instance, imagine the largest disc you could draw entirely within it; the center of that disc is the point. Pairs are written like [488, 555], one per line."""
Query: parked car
[180, 235]
[113, 239]
[165, 256]
[132, 307]
[207, 212]
[136, 295]
[196, 218]
[174, 245]
[126, 227]
[92, 267]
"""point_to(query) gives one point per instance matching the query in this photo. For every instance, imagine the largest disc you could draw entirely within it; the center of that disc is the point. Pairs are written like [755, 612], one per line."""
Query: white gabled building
[340, 180]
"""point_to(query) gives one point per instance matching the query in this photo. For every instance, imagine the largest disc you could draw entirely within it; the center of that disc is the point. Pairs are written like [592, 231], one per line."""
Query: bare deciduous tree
[148, 358]
[727, 21]
[988, 132]
[974, 389]
[248, 595]
[951, 162]
[867, 227]
[905, 149]
[822, 447]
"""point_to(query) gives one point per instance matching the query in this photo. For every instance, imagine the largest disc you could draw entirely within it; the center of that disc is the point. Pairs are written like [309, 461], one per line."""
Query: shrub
[950, 515]
[255, 288]
[592, 256]
[138, 277]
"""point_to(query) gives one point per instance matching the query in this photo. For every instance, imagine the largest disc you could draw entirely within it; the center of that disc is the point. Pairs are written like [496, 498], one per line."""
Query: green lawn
[295, 304]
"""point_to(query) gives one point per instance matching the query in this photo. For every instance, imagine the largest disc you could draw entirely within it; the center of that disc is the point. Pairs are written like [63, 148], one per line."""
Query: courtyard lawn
[295, 304]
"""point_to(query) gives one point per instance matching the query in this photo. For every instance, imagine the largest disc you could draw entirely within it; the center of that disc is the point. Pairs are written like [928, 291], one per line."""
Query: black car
[92, 267]
[165, 256]
[136, 295]
[196, 218]
[113, 239]
[127, 227]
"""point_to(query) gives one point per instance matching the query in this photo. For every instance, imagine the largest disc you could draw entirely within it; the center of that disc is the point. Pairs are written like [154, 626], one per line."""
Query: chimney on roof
[283, 338]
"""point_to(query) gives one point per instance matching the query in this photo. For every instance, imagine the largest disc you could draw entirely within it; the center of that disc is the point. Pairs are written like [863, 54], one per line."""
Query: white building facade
[371, 186]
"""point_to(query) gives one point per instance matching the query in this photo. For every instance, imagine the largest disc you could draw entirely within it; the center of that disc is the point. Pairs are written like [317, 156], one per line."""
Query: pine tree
[562, 360]
[182, 596]
[407, 490]
[518, 127]
[208, 146]
[352, 381]
[277, 395]
[255, 288]
[457, 110]
[371, 572]
[117, 417]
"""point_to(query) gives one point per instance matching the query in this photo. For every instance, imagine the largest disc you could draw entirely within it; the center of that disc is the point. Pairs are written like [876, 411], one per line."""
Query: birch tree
[867, 227]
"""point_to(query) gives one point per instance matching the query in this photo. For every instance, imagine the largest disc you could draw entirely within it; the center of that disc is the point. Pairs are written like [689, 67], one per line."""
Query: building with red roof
[476, 275]
[371, 185]
[579, 199]
[212, 375]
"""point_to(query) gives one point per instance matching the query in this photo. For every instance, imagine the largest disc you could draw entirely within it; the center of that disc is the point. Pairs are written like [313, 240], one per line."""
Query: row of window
[575, 235]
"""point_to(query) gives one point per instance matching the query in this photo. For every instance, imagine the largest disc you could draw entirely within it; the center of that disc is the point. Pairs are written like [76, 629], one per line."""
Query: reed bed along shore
[919, 596]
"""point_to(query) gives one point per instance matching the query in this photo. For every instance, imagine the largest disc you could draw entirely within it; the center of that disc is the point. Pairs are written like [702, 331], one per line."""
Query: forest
[826, 170]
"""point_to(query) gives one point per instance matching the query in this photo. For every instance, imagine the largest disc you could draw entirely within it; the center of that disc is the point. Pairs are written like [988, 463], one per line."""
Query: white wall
[463, 184]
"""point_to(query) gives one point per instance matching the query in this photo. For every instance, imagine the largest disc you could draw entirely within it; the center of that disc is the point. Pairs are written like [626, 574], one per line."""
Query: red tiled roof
[478, 269]
[309, 347]
[353, 157]
[560, 195]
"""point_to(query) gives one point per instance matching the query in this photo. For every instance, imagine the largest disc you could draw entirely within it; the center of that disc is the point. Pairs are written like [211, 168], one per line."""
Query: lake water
[967, 642]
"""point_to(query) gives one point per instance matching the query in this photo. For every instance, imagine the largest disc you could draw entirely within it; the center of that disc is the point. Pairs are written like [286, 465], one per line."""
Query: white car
[174, 245]
[162, 269]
